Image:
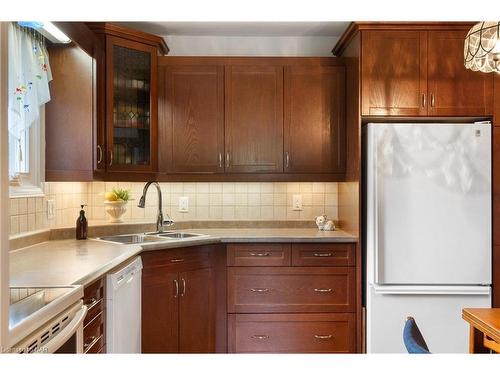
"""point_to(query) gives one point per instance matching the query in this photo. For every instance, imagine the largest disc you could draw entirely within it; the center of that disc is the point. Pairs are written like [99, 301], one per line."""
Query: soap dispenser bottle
[81, 225]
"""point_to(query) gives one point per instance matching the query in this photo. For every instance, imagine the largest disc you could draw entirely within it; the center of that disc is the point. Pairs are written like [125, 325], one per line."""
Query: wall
[207, 201]
[187, 45]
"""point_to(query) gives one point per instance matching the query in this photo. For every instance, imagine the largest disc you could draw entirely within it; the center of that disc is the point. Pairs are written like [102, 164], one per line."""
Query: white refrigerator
[427, 231]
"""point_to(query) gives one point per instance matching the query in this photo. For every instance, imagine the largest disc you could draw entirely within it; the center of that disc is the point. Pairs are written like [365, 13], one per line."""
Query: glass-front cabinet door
[131, 103]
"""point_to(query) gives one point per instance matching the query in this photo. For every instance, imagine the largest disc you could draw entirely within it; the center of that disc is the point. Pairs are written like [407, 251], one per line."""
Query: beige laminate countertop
[65, 262]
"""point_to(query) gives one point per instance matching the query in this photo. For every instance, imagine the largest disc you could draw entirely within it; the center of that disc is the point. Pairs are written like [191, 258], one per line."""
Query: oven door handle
[67, 331]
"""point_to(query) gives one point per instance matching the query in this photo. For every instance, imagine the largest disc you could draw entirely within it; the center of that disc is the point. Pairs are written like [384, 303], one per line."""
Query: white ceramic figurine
[324, 224]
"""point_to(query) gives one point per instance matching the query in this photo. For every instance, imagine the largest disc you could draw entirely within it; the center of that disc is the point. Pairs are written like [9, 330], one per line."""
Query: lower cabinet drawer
[97, 347]
[291, 333]
[93, 334]
[290, 289]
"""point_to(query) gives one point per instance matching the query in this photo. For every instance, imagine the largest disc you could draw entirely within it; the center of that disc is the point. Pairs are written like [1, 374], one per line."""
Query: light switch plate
[297, 202]
[183, 204]
[51, 209]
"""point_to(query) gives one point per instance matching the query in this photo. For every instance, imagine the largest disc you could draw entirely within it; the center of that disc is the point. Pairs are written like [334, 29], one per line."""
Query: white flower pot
[115, 209]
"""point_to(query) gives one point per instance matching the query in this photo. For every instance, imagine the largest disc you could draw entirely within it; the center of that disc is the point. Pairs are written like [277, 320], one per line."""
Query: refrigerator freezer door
[438, 316]
[429, 204]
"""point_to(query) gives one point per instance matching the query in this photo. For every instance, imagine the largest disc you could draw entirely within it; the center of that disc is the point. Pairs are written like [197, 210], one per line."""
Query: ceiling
[272, 29]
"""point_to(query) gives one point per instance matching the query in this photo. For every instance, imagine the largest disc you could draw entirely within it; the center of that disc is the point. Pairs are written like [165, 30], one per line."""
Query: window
[29, 76]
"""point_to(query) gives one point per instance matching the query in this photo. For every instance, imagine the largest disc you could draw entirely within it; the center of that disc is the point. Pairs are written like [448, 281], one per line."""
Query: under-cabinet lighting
[48, 29]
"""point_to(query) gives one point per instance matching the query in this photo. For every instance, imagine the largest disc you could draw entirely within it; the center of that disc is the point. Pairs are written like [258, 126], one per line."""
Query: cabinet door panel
[394, 73]
[254, 119]
[453, 89]
[314, 119]
[290, 289]
[291, 333]
[196, 311]
[131, 101]
[195, 117]
[160, 323]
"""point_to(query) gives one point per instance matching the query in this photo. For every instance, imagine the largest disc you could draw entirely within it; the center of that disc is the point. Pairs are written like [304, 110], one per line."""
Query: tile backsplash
[207, 201]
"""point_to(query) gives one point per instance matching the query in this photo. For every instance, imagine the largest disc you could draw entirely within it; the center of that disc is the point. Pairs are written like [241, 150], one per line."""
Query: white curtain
[29, 76]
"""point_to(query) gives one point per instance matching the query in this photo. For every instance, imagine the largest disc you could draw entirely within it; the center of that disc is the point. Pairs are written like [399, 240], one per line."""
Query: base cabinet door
[196, 311]
[291, 333]
[179, 301]
[160, 312]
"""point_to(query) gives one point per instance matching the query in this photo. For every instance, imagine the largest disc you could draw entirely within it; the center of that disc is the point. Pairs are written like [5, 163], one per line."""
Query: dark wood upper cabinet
[253, 119]
[131, 105]
[191, 100]
[418, 70]
[394, 73]
[314, 119]
[69, 116]
[127, 99]
[453, 89]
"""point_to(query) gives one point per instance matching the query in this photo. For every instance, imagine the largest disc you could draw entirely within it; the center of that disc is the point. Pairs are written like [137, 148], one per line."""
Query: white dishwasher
[123, 309]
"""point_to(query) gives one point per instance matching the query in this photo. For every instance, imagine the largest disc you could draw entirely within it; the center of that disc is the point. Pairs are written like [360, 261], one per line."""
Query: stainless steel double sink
[149, 237]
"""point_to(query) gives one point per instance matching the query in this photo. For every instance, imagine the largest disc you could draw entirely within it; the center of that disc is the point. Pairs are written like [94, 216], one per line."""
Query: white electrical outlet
[51, 209]
[297, 202]
[183, 204]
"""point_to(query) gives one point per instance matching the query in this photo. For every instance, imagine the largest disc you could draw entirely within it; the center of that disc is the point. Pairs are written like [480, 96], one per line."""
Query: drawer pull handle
[91, 303]
[259, 254]
[319, 290]
[323, 254]
[93, 340]
[260, 337]
[259, 290]
[323, 337]
[177, 260]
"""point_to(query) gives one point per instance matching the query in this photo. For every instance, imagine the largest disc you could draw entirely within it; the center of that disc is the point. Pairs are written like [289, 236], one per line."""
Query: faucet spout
[159, 219]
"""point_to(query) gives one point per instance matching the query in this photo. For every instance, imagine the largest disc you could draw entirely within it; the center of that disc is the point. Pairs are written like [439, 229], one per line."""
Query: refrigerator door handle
[373, 203]
[432, 289]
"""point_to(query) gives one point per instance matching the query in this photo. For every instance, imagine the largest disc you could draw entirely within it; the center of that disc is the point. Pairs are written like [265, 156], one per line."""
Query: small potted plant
[115, 203]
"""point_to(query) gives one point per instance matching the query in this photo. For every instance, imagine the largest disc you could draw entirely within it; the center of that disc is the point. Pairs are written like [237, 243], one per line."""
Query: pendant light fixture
[482, 47]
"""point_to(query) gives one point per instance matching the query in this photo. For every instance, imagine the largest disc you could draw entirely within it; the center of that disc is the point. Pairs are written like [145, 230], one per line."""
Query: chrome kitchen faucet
[160, 223]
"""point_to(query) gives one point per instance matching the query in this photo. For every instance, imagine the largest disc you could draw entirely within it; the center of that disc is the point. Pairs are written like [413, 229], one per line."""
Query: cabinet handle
[287, 160]
[260, 337]
[176, 285]
[99, 154]
[319, 290]
[183, 287]
[227, 160]
[424, 101]
[177, 260]
[93, 340]
[220, 159]
[259, 254]
[259, 290]
[110, 158]
[432, 100]
[91, 303]
[323, 254]
[323, 337]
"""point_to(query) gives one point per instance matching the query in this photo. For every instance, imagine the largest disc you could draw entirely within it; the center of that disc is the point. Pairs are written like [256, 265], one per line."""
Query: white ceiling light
[482, 47]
